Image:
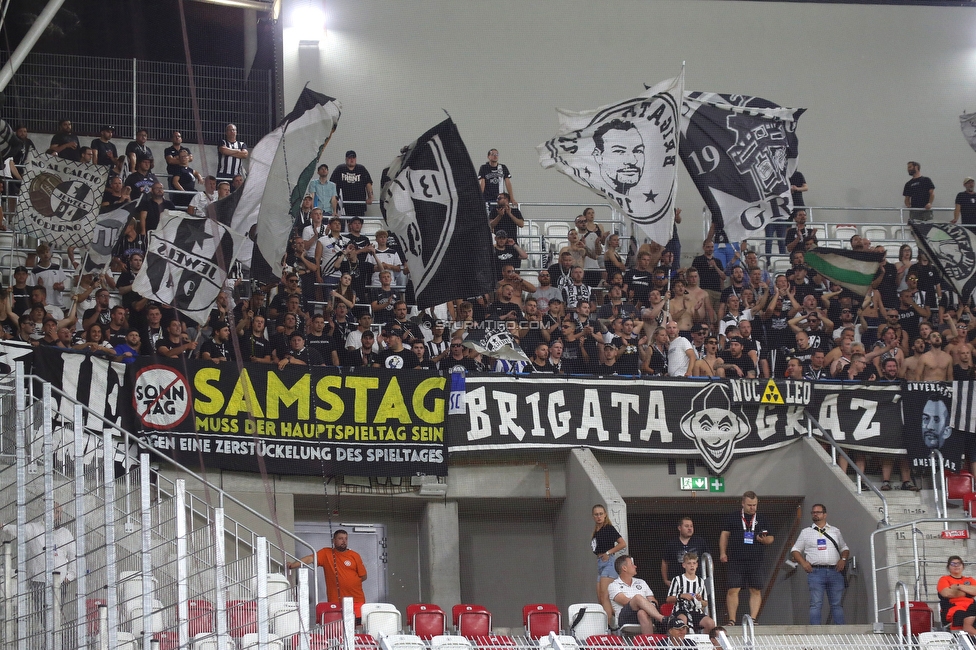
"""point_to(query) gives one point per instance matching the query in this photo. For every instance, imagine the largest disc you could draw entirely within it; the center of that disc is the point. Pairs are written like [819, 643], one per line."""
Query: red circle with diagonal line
[161, 396]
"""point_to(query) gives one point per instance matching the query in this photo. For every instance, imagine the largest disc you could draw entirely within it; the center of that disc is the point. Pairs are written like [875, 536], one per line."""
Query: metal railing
[917, 562]
[708, 569]
[861, 478]
[940, 485]
[133, 93]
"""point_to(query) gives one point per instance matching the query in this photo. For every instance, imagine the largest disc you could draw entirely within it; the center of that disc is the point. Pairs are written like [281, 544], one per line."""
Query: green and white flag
[854, 270]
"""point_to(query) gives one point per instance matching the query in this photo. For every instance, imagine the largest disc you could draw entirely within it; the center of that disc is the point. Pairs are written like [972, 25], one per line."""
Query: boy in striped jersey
[687, 593]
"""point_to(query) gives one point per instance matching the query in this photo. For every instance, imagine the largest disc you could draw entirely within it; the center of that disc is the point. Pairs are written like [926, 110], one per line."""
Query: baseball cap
[107, 128]
[967, 179]
[677, 624]
[359, 219]
[21, 269]
[350, 154]
[735, 339]
[614, 344]
[552, 300]
[393, 331]
[219, 325]
[501, 233]
[698, 328]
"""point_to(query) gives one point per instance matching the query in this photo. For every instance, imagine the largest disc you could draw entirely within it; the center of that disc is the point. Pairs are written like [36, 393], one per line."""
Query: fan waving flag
[854, 270]
[108, 229]
[433, 204]
[626, 152]
[279, 169]
[59, 200]
[186, 263]
[968, 124]
[740, 151]
[952, 249]
[493, 339]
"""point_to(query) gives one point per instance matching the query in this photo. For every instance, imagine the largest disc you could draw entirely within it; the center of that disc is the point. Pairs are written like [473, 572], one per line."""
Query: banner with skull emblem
[59, 200]
[952, 250]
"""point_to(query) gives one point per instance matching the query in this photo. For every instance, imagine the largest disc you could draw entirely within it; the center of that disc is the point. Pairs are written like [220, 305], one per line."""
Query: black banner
[315, 422]
[927, 408]
[718, 420]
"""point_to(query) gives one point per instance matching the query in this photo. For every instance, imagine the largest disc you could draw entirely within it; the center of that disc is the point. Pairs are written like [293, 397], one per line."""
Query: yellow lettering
[392, 404]
[244, 398]
[332, 400]
[300, 393]
[362, 385]
[436, 414]
[209, 400]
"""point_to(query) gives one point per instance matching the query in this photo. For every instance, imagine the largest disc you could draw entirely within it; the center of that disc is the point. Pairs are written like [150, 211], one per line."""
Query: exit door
[369, 540]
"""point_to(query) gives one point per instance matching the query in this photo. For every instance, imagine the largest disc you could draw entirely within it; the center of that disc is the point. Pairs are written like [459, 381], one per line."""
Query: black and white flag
[927, 408]
[108, 229]
[968, 124]
[952, 249]
[627, 152]
[494, 339]
[186, 263]
[59, 200]
[740, 151]
[433, 204]
[963, 418]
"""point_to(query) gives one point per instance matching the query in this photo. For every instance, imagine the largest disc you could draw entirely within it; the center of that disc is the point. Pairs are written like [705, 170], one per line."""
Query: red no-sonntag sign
[955, 534]
[161, 396]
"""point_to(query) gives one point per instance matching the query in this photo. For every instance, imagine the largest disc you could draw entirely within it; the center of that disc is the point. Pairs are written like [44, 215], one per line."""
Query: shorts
[744, 574]
[960, 614]
[627, 616]
[605, 569]
[695, 618]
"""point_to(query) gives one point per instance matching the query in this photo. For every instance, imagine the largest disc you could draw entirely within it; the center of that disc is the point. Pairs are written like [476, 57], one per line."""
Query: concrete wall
[882, 84]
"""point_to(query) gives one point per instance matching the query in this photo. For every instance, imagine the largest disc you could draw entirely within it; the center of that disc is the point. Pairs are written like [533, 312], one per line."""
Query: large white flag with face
[627, 152]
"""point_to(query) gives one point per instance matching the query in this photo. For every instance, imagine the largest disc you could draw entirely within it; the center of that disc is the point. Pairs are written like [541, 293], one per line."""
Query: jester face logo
[715, 426]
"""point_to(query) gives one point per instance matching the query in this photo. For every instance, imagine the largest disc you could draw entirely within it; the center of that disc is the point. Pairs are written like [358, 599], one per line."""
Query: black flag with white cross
[740, 151]
[433, 204]
[186, 263]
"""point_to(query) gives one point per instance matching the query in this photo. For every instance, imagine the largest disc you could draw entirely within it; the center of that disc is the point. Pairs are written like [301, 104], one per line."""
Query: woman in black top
[605, 542]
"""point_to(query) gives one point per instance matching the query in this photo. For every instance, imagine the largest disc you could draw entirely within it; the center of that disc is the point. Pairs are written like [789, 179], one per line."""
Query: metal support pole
[27, 43]
[303, 608]
[182, 588]
[261, 576]
[349, 624]
[147, 573]
[22, 600]
[220, 578]
[135, 99]
[111, 626]
[81, 566]
[53, 619]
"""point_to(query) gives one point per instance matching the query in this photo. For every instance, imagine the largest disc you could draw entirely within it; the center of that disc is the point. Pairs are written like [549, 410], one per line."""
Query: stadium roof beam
[257, 5]
[27, 44]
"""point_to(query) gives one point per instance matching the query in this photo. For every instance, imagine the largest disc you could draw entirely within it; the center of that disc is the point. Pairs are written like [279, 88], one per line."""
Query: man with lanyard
[741, 548]
[822, 552]
[344, 570]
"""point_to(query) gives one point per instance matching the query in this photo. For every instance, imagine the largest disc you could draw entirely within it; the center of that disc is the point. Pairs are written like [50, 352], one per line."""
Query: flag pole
[677, 147]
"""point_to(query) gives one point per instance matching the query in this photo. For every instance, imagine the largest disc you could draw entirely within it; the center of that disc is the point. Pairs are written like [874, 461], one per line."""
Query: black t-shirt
[172, 170]
[967, 207]
[917, 190]
[546, 368]
[140, 184]
[743, 362]
[351, 186]
[216, 350]
[494, 181]
[506, 255]
[963, 374]
[154, 210]
[308, 355]
[888, 287]
[709, 279]
[64, 138]
[640, 283]
[604, 539]
[404, 359]
[674, 553]
[797, 180]
[115, 337]
[361, 275]
[927, 276]
[103, 148]
[255, 347]
[148, 339]
[506, 223]
[187, 181]
[738, 549]
[22, 298]
[450, 364]
[112, 201]
[908, 319]
[140, 150]
[323, 344]
[103, 318]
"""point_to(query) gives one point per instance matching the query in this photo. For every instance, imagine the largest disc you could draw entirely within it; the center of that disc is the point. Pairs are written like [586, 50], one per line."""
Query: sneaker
[911, 487]
[885, 486]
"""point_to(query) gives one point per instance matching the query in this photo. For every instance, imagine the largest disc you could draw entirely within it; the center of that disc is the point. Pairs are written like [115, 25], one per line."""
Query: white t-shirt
[678, 358]
[618, 586]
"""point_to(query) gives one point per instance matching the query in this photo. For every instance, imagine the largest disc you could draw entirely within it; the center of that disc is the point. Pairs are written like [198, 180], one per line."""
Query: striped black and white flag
[740, 152]
[968, 123]
[963, 416]
[952, 249]
[432, 202]
[626, 152]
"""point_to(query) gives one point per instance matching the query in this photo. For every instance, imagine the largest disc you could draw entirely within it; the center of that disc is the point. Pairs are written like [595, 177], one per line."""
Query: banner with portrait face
[928, 409]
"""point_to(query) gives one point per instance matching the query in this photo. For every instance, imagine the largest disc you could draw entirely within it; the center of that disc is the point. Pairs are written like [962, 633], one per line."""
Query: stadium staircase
[152, 554]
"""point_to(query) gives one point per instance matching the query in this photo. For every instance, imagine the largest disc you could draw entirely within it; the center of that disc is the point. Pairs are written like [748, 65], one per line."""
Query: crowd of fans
[603, 306]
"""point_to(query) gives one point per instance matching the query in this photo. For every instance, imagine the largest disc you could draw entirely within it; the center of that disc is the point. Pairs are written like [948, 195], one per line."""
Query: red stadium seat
[365, 642]
[604, 641]
[242, 618]
[649, 640]
[167, 640]
[471, 620]
[426, 620]
[201, 617]
[315, 642]
[666, 609]
[328, 613]
[540, 619]
[959, 486]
